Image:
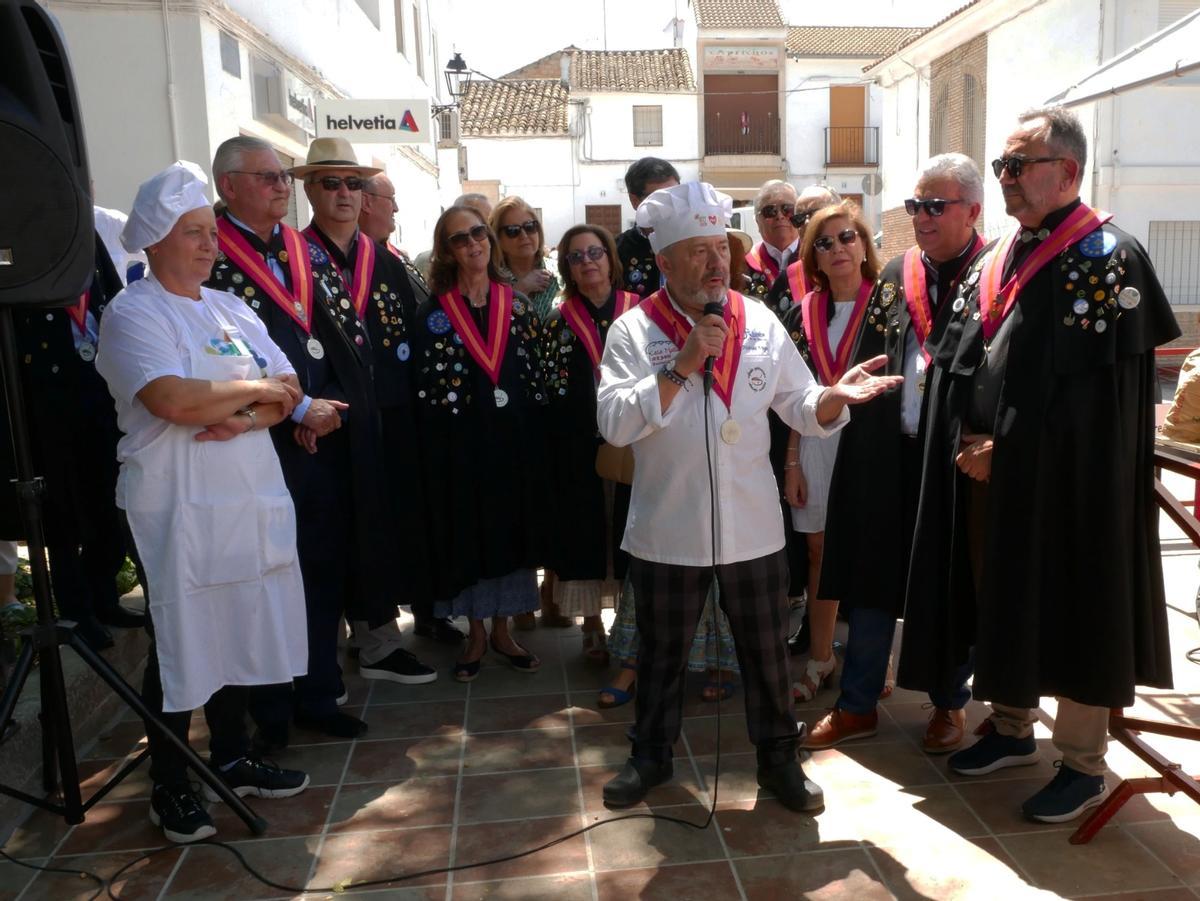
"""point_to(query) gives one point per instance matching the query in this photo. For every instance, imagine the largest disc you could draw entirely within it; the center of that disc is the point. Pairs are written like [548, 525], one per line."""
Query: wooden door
[847, 118]
[607, 215]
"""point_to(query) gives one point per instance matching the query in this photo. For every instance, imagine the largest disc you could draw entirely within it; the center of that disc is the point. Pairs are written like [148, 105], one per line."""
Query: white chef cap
[161, 201]
[691, 210]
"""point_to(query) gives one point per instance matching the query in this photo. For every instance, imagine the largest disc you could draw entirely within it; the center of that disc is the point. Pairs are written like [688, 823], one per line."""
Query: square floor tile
[690, 882]
[210, 872]
[415, 720]
[395, 760]
[563, 887]
[548, 711]
[920, 865]
[143, 880]
[844, 875]
[1112, 862]
[488, 841]
[302, 814]
[498, 752]
[647, 842]
[370, 806]
[681, 789]
[356, 857]
[1176, 843]
[323, 763]
[998, 803]
[757, 828]
[93, 774]
[117, 826]
[507, 796]
[499, 680]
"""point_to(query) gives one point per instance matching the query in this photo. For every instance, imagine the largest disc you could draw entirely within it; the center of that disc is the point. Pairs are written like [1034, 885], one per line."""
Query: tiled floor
[451, 774]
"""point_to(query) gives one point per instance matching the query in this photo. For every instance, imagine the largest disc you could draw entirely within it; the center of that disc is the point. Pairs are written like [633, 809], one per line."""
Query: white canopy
[1167, 54]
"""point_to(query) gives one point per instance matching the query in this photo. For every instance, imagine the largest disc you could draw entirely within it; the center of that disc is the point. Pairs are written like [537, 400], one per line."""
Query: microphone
[714, 309]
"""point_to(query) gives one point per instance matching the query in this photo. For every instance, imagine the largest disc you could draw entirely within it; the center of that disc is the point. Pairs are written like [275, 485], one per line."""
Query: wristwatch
[253, 416]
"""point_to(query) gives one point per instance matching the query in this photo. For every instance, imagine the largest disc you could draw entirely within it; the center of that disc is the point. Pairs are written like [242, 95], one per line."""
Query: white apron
[215, 528]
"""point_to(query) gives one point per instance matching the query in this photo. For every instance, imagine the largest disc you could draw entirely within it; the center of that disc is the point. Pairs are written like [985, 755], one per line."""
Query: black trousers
[225, 711]
[669, 600]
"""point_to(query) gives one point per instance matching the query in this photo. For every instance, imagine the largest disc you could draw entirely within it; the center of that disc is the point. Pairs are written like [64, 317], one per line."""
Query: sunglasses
[593, 253]
[270, 178]
[771, 210]
[1015, 165]
[845, 237]
[333, 182]
[800, 217]
[934, 207]
[530, 227]
[478, 234]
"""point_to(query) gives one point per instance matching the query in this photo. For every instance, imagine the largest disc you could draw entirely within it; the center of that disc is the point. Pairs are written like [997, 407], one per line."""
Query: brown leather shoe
[945, 731]
[838, 726]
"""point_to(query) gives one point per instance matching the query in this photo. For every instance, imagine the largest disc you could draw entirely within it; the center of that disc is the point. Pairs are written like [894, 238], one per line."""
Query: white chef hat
[691, 210]
[161, 201]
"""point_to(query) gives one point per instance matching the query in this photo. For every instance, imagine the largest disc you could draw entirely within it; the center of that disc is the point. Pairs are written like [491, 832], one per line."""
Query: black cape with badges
[582, 538]
[1072, 594]
[639, 269]
[870, 493]
[484, 466]
[71, 424]
[344, 373]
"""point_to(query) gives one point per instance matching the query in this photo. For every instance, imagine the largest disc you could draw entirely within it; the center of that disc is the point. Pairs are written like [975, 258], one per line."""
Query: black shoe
[177, 810]
[251, 776]
[799, 643]
[636, 778]
[793, 789]
[338, 725]
[440, 629]
[94, 635]
[269, 739]
[121, 618]
[398, 666]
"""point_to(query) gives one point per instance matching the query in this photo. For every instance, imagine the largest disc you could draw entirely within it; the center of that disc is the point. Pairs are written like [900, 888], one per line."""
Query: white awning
[1168, 54]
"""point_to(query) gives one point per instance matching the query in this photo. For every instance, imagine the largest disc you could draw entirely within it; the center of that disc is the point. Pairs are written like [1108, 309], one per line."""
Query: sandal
[889, 683]
[595, 647]
[816, 674]
[620, 696]
[524, 662]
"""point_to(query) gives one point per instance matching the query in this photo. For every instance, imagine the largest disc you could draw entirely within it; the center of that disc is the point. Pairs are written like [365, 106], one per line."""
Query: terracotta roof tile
[847, 42]
[738, 14]
[517, 107]
[652, 71]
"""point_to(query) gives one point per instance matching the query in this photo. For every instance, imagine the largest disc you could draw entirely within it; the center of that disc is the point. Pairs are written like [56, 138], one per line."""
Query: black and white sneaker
[399, 666]
[252, 776]
[177, 810]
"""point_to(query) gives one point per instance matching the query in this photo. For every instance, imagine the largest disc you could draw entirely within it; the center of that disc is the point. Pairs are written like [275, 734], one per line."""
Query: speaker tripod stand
[47, 638]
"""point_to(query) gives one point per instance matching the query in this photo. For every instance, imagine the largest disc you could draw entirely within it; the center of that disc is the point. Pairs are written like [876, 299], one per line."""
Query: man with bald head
[1037, 531]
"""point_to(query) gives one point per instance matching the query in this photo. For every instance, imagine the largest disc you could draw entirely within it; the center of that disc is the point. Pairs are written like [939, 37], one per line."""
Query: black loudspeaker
[47, 232]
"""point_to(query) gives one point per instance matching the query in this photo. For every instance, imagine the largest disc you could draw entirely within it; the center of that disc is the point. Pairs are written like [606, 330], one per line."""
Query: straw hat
[332, 153]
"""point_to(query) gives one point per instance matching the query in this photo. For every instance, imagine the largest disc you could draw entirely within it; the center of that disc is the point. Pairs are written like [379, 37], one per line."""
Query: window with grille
[1171, 11]
[1174, 248]
[939, 121]
[647, 126]
[973, 125]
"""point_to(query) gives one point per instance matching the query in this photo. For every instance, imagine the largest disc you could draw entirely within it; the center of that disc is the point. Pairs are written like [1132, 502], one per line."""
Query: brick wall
[897, 233]
[957, 98]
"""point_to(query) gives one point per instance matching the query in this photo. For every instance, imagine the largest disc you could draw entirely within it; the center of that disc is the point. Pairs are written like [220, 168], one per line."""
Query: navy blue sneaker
[994, 752]
[1065, 797]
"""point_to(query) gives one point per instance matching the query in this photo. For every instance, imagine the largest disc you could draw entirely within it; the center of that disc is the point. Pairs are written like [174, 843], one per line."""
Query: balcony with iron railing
[851, 145]
[739, 135]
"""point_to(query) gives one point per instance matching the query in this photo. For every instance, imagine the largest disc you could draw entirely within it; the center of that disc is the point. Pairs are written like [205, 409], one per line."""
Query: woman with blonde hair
[839, 257]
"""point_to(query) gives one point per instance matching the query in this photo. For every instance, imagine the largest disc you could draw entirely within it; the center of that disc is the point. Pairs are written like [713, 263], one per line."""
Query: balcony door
[847, 121]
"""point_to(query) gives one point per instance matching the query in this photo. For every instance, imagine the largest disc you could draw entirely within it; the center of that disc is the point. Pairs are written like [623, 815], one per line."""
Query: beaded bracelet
[673, 376]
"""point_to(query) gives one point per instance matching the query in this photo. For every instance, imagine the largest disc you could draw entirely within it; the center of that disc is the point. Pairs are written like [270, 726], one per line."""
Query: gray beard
[704, 297]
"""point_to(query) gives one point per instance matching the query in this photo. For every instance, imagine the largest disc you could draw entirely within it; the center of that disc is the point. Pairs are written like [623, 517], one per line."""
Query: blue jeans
[865, 669]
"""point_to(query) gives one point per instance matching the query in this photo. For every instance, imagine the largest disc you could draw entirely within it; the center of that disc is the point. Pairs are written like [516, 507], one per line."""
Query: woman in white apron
[197, 383]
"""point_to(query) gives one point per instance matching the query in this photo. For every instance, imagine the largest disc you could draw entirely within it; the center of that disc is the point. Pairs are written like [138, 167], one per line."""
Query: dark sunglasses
[1016, 164]
[771, 210]
[593, 253]
[333, 182]
[270, 178]
[800, 217]
[846, 236]
[933, 207]
[478, 234]
[530, 227]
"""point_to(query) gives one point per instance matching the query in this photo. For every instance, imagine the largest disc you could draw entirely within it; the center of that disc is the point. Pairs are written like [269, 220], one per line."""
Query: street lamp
[458, 77]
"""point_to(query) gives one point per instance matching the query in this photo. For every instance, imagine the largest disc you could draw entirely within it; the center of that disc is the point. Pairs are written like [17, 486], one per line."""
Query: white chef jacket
[669, 511]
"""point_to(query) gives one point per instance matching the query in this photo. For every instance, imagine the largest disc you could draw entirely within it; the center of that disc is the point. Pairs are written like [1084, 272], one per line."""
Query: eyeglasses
[593, 253]
[334, 182]
[529, 226]
[478, 234]
[845, 237]
[932, 207]
[271, 178]
[390, 198]
[800, 217]
[1016, 164]
[771, 210]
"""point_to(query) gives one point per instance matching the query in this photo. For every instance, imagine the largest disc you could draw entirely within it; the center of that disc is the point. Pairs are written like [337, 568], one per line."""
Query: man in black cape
[877, 478]
[1037, 534]
[330, 452]
[639, 268]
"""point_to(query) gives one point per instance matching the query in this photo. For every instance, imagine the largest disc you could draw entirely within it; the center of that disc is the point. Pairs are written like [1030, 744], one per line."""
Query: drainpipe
[170, 54]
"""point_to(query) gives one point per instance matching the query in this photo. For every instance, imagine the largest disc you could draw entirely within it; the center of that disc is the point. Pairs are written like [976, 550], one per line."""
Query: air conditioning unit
[448, 127]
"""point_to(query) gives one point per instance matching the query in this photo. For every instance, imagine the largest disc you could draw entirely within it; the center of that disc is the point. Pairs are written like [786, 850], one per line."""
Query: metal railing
[851, 145]
[741, 134]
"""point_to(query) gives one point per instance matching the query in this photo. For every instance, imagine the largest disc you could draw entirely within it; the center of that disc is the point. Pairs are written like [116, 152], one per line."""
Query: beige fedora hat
[332, 153]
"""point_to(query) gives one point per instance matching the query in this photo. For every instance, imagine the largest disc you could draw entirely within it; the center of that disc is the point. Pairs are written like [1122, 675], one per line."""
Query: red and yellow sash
[359, 288]
[298, 305]
[760, 260]
[677, 327]
[490, 354]
[996, 300]
[916, 290]
[584, 326]
[78, 312]
[831, 366]
[797, 281]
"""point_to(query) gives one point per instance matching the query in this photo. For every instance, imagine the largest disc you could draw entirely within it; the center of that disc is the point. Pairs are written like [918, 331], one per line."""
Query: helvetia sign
[374, 121]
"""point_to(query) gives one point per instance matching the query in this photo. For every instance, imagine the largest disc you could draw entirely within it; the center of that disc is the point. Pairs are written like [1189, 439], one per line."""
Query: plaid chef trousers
[669, 600]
